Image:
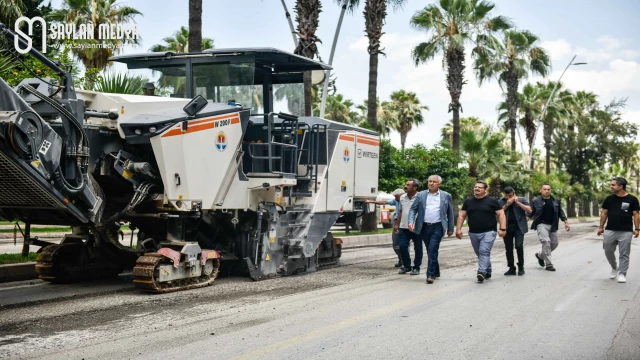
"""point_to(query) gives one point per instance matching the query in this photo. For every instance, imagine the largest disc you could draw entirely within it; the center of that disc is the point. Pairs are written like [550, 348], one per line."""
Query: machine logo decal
[345, 155]
[221, 141]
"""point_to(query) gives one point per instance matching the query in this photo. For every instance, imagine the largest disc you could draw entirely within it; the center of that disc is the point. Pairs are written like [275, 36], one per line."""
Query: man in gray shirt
[405, 235]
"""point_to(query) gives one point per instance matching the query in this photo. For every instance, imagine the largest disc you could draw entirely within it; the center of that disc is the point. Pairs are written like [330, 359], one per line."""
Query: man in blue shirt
[395, 237]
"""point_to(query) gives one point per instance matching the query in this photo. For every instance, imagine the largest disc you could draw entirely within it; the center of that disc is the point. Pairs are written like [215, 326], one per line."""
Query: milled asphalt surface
[361, 309]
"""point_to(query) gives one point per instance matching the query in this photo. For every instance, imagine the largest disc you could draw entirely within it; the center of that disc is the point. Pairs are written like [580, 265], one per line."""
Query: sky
[602, 34]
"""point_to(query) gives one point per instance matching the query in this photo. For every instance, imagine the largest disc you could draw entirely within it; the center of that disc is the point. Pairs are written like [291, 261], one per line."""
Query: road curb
[18, 272]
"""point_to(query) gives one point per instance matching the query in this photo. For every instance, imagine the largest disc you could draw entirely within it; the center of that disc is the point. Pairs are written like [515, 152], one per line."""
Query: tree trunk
[548, 159]
[585, 209]
[512, 103]
[369, 222]
[571, 207]
[403, 139]
[307, 93]
[456, 129]
[372, 104]
[595, 208]
[195, 25]
[455, 80]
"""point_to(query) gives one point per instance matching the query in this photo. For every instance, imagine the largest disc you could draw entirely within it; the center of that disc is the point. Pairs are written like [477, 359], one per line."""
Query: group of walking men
[425, 216]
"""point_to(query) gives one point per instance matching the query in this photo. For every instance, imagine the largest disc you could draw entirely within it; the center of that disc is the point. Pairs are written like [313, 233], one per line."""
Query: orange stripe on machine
[347, 137]
[205, 124]
[368, 142]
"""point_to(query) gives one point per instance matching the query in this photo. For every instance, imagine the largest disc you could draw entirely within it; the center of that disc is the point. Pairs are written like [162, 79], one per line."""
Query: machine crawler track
[62, 263]
[146, 271]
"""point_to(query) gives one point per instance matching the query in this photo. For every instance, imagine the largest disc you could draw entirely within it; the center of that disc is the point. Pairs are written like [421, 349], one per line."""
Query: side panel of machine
[366, 169]
[195, 160]
[340, 182]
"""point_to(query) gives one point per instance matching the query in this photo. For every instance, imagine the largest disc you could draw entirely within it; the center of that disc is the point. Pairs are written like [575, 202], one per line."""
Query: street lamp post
[544, 110]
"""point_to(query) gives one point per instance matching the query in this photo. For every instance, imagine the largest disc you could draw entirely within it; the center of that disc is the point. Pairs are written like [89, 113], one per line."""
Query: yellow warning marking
[299, 131]
[179, 197]
[272, 239]
[344, 183]
[127, 174]
[122, 111]
[35, 163]
[268, 258]
[278, 199]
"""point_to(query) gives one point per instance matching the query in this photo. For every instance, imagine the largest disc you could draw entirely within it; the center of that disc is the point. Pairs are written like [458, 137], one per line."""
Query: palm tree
[558, 111]
[95, 12]
[484, 152]
[385, 113]
[375, 14]
[409, 112]
[307, 16]
[466, 123]
[195, 26]
[510, 59]
[120, 83]
[531, 101]
[11, 10]
[337, 109]
[488, 158]
[179, 42]
[451, 25]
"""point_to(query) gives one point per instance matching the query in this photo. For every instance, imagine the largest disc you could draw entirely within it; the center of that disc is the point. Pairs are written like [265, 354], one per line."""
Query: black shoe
[404, 271]
[512, 271]
[520, 270]
[480, 277]
[550, 268]
[487, 276]
[398, 264]
[415, 272]
[540, 261]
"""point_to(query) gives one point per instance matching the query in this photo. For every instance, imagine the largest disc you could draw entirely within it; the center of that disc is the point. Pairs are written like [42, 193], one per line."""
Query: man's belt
[429, 224]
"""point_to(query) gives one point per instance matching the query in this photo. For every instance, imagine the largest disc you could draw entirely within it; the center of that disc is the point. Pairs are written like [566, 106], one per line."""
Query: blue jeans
[405, 237]
[432, 235]
[482, 244]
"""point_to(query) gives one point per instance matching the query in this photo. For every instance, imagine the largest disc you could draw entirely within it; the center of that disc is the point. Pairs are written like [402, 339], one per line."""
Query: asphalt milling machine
[209, 176]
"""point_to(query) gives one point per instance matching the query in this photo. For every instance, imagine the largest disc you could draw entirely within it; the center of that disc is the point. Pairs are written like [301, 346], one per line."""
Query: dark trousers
[405, 237]
[514, 233]
[432, 235]
[395, 237]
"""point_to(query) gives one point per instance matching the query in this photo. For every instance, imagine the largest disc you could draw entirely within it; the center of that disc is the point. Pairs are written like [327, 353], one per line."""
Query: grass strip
[16, 258]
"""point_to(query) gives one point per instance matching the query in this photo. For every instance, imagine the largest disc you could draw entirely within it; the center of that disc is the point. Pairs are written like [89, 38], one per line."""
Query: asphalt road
[359, 310]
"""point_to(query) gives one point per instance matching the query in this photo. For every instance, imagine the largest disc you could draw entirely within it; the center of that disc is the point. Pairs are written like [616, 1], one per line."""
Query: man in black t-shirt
[482, 211]
[622, 211]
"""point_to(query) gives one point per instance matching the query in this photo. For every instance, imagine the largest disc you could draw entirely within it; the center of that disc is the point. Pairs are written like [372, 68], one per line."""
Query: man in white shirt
[431, 215]
[401, 227]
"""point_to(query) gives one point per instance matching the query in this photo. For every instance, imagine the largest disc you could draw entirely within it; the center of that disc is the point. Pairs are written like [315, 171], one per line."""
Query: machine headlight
[138, 132]
[152, 129]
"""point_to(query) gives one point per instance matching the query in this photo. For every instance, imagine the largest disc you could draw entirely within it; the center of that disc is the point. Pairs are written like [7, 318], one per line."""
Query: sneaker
[415, 272]
[487, 276]
[512, 271]
[398, 264]
[614, 274]
[404, 271]
[430, 280]
[520, 270]
[550, 268]
[622, 278]
[540, 261]
[480, 277]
